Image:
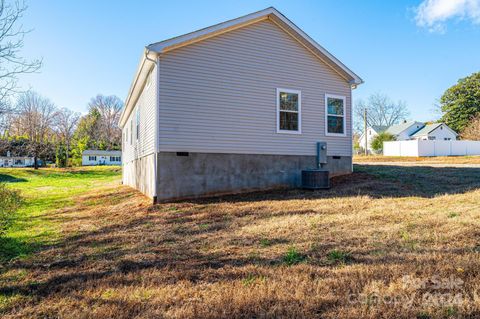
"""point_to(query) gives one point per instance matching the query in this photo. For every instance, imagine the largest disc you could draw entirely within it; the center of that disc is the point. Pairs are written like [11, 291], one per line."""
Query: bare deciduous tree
[12, 64]
[472, 131]
[381, 111]
[34, 118]
[66, 122]
[109, 108]
[5, 112]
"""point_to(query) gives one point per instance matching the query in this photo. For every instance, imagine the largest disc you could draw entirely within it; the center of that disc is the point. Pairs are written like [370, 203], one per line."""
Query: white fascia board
[138, 82]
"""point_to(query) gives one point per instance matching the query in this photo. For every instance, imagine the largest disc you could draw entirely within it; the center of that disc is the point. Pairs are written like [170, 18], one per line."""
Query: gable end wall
[219, 95]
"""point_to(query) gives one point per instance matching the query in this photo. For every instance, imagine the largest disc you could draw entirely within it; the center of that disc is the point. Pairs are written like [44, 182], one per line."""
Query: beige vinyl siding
[145, 145]
[219, 95]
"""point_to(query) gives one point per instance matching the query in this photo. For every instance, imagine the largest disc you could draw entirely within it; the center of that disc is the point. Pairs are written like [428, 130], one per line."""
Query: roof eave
[270, 13]
[140, 75]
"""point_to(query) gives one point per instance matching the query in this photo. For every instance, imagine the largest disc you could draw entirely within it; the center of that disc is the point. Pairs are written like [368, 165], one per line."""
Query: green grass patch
[45, 191]
[453, 215]
[293, 257]
[339, 256]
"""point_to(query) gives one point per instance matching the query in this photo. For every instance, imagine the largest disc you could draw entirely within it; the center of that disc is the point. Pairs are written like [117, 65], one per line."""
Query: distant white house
[16, 161]
[96, 157]
[435, 132]
[372, 131]
[413, 130]
[404, 130]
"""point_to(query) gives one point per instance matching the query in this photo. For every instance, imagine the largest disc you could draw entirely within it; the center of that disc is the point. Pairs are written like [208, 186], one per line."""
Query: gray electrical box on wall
[317, 178]
[321, 154]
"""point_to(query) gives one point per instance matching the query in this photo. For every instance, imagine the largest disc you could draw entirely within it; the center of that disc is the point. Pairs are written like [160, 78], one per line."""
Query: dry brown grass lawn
[385, 242]
[425, 160]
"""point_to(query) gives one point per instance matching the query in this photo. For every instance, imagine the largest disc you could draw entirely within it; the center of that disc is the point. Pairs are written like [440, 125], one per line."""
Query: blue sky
[409, 50]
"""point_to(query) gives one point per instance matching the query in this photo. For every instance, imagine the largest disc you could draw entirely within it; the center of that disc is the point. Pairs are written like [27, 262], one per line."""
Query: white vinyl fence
[431, 148]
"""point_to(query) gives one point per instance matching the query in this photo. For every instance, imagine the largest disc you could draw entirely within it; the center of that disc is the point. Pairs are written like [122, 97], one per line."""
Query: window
[92, 158]
[335, 115]
[115, 159]
[289, 111]
[137, 132]
[19, 162]
[131, 132]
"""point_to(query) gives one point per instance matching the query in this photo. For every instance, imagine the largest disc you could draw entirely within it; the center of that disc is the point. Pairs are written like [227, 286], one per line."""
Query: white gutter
[156, 61]
[157, 128]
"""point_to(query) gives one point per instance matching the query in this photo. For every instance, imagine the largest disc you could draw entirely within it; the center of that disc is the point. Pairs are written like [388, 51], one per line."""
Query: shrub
[377, 142]
[10, 201]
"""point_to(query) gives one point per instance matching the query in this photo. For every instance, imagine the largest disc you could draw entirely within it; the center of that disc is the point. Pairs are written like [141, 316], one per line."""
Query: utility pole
[365, 130]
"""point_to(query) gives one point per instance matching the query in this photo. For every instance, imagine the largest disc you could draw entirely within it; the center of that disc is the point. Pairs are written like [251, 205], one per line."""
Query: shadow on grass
[11, 179]
[172, 240]
[376, 181]
[74, 173]
[11, 248]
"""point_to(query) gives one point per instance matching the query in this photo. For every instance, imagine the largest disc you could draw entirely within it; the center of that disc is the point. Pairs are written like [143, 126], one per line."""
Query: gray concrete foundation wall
[206, 174]
[140, 174]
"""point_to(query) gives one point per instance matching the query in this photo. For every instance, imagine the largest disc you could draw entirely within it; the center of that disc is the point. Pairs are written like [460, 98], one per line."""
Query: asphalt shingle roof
[426, 129]
[399, 128]
[379, 128]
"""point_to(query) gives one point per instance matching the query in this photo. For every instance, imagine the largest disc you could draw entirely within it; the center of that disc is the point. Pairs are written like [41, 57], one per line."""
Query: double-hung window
[137, 132]
[289, 111]
[131, 132]
[335, 120]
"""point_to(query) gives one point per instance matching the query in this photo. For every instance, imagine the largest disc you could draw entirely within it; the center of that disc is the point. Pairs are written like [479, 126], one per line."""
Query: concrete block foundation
[193, 175]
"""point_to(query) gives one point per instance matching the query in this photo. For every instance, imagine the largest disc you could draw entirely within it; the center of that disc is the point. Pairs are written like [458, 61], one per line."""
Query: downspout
[157, 119]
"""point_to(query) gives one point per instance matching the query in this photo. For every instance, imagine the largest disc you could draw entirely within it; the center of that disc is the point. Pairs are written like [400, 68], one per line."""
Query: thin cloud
[433, 14]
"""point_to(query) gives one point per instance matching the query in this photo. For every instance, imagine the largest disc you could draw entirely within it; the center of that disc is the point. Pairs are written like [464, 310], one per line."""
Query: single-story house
[234, 107]
[16, 161]
[97, 157]
[435, 132]
[403, 131]
[413, 130]
[372, 132]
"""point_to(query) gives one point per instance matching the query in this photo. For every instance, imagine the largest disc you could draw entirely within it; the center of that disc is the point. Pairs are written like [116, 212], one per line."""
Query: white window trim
[299, 111]
[341, 97]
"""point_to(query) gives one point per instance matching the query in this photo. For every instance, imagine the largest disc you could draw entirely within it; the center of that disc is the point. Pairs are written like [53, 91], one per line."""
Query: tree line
[34, 126]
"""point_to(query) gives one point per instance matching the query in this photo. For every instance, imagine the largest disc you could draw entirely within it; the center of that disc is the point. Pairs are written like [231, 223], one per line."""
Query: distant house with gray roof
[403, 130]
[435, 131]
[372, 131]
[410, 130]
